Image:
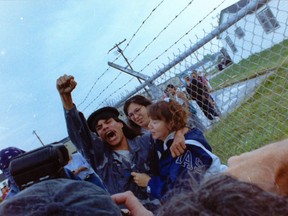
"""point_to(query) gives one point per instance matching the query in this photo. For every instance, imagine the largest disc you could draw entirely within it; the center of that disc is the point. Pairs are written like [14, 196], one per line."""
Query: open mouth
[110, 136]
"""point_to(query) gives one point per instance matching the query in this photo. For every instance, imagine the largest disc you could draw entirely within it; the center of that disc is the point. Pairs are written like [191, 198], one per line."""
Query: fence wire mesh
[245, 64]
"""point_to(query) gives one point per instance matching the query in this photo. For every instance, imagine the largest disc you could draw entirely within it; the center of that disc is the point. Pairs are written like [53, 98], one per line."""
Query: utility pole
[34, 132]
[128, 63]
[155, 90]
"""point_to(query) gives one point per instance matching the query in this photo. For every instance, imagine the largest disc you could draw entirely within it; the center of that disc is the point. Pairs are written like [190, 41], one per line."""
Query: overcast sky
[41, 40]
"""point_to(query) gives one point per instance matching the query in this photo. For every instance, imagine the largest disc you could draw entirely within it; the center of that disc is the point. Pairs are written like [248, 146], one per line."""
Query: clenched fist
[65, 85]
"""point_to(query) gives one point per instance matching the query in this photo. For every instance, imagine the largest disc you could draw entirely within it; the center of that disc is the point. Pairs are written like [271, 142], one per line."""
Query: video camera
[40, 164]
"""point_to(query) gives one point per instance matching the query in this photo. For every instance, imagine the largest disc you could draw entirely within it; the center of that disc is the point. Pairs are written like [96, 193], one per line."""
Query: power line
[154, 39]
[94, 84]
[166, 50]
[143, 22]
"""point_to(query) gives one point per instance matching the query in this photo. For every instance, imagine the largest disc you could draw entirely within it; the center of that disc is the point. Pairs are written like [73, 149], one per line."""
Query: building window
[231, 44]
[267, 20]
[239, 32]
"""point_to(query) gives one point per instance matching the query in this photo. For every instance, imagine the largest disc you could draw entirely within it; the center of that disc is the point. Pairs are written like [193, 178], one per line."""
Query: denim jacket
[115, 173]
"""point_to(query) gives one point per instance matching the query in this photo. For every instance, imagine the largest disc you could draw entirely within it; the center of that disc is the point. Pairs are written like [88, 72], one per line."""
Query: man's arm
[178, 146]
[76, 124]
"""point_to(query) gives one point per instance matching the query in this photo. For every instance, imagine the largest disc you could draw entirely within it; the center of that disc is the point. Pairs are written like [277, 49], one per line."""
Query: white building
[257, 31]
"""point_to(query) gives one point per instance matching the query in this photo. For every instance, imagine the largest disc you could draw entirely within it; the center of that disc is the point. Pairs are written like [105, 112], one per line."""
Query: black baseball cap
[100, 114]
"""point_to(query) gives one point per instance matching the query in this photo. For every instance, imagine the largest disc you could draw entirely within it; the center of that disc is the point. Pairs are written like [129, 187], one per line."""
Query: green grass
[263, 118]
[255, 65]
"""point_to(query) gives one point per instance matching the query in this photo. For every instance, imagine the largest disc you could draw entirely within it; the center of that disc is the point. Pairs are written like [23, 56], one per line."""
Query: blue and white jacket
[197, 159]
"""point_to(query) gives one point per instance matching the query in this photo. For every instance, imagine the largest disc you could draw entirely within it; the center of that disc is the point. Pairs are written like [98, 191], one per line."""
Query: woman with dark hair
[166, 118]
[136, 110]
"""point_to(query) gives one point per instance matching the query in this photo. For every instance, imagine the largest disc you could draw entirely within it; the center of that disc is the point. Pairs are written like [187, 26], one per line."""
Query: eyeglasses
[135, 112]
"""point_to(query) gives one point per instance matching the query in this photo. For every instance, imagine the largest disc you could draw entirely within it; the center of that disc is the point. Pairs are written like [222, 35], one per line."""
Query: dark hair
[128, 131]
[170, 86]
[170, 112]
[223, 195]
[137, 99]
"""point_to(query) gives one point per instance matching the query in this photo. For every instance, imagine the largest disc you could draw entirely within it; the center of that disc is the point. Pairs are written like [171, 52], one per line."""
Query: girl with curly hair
[198, 160]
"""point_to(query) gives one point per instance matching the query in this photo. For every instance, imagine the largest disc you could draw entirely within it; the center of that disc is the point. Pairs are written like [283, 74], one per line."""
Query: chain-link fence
[242, 66]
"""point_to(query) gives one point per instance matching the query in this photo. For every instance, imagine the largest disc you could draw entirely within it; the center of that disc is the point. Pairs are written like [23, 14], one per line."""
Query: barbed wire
[143, 22]
[135, 57]
[155, 38]
[94, 84]
[166, 50]
[108, 95]
[130, 80]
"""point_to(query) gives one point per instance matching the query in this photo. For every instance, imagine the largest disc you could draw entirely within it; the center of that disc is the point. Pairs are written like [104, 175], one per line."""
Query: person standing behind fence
[206, 82]
[181, 98]
[207, 89]
[197, 92]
